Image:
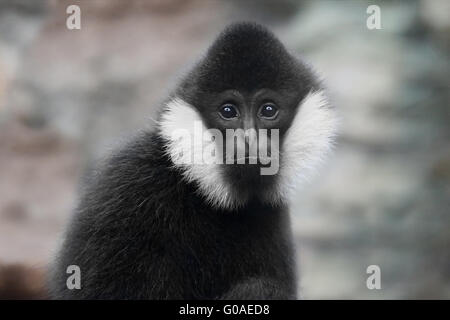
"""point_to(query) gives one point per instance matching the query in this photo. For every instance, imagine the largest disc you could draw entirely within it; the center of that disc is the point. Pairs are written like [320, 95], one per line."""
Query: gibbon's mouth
[246, 158]
[253, 165]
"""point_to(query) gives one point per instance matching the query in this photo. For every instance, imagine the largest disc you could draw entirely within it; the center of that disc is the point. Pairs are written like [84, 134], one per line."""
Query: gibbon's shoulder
[140, 159]
[136, 178]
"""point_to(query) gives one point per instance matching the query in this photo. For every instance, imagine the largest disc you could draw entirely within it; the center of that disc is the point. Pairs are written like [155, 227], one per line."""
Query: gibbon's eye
[228, 111]
[268, 111]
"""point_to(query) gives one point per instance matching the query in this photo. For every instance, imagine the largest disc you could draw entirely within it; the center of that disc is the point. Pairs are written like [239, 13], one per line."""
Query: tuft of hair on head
[245, 55]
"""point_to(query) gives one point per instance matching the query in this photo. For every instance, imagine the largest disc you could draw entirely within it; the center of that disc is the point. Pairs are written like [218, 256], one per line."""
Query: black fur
[142, 232]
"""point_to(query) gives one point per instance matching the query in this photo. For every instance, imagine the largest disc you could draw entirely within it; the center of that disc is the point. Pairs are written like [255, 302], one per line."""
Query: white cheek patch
[179, 124]
[307, 142]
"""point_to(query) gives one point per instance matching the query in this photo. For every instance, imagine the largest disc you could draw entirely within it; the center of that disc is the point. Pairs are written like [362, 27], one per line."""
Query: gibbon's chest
[219, 238]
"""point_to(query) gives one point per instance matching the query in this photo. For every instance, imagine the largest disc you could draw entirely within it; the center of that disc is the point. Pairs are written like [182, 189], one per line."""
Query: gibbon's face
[265, 115]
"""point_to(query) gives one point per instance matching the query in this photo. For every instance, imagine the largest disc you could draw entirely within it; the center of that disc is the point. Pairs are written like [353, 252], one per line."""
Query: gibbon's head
[250, 121]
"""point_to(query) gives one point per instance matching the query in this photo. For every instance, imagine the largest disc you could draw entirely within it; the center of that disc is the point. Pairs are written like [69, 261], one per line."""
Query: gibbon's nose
[251, 142]
[249, 136]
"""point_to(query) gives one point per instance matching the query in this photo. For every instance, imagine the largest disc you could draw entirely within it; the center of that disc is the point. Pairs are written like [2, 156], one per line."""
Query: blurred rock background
[67, 97]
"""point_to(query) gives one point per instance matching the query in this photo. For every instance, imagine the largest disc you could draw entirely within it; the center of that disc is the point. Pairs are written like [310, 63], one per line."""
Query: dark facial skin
[248, 106]
[249, 110]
